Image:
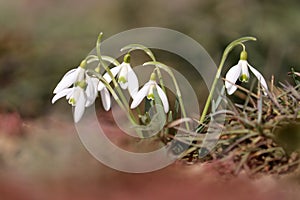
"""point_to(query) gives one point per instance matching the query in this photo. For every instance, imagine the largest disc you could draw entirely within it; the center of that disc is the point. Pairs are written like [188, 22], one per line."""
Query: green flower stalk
[233, 44]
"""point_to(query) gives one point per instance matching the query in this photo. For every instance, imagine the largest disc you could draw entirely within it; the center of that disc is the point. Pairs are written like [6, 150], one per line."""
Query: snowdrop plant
[238, 71]
[81, 86]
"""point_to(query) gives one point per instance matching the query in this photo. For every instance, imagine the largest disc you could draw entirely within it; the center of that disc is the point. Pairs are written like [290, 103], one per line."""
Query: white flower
[71, 77]
[91, 90]
[126, 76]
[241, 71]
[147, 91]
[92, 93]
[77, 98]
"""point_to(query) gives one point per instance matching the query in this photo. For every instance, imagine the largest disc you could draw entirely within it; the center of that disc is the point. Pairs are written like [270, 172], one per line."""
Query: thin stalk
[115, 96]
[119, 91]
[218, 74]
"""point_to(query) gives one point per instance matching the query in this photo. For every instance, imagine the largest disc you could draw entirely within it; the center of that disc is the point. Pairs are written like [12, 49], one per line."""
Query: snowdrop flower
[241, 71]
[147, 91]
[93, 86]
[76, 96]
[84, 91]
[126, 76]
[71, 77]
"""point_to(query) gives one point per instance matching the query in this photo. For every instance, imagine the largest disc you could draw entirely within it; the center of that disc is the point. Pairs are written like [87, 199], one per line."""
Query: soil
[46, 161]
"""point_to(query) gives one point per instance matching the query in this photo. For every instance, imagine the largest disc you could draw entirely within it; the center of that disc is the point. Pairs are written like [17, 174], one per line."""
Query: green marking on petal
[81, 84]
[72, 101]
[244, 78]
[150, 96]
[122, 79]
[151, 93]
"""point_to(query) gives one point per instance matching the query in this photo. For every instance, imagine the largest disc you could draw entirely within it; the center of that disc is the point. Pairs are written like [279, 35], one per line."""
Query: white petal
[232, 75]
[70, 94]
[62, 94]
[140, 95]
[101, 86]
[80, 74]
[124, 74]
[91, 91]
[70, 71]
[114, 71]
[68, 79]
[245, 70]
[80, 106]
[105, 97]
[133, 83]
[106, 76]
[124, 85]
[163, 98]
[259, 77]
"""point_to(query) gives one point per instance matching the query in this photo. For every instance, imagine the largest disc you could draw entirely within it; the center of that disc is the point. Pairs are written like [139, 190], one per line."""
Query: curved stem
[225, 54]
[133, 47]
[119, 91]
[114, 94]
[93, 58]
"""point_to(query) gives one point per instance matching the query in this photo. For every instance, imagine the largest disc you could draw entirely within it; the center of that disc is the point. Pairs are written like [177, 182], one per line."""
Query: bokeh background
[41, 39]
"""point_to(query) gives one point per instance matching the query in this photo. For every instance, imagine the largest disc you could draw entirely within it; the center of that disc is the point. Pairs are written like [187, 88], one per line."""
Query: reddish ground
[48, 162]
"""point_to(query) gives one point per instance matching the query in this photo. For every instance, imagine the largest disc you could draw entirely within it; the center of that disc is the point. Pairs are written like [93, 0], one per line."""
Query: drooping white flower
[125, 75]
[91, 90]
[83, 92]
[71, 77]
[241, 72]
[92, 93]
[147, 91]
[76, 96]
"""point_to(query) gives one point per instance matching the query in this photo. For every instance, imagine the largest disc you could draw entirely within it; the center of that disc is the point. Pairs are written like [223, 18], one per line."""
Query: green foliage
[262, 136]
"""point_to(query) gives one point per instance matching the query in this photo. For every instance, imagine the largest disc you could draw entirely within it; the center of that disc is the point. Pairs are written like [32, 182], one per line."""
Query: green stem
[178, 93]
[93, 58]
[114, 94]
[119, 91]
[132, 47]
[225, 54]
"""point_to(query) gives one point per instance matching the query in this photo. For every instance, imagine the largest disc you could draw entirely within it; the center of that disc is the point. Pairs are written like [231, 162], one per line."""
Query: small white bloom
[92, 93]
[77, 98]
[241, 71]
[91, 90]
[147, 91]
[126, 76]
[71, 77]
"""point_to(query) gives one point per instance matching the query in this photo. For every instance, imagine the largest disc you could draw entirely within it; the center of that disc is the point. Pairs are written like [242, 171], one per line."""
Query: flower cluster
[81, 89]
[81, 86]
[83, 92]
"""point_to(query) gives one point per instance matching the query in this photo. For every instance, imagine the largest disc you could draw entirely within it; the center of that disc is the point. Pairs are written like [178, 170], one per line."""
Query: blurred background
[41, 39]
